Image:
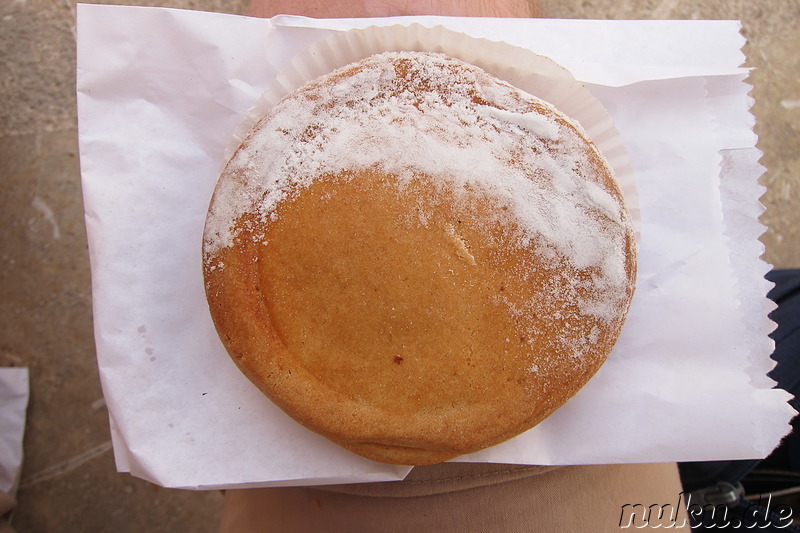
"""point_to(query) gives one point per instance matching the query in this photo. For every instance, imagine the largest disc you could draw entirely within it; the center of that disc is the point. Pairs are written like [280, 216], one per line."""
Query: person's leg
[563, 499]
[7, 505]
[390, 8]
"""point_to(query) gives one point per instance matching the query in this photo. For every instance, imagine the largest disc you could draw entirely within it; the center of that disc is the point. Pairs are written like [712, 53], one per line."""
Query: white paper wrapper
[160, 93]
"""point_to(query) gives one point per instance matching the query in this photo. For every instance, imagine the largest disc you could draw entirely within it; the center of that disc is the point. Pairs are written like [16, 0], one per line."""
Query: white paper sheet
[160, 92]
[14, 394]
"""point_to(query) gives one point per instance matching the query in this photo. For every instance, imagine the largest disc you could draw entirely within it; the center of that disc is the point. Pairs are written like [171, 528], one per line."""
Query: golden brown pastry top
[416, 259]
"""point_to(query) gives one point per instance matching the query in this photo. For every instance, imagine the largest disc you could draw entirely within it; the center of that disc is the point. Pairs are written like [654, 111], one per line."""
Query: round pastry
[416, 259]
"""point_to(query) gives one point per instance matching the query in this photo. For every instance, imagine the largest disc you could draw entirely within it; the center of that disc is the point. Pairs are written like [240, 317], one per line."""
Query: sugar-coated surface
[414, 114]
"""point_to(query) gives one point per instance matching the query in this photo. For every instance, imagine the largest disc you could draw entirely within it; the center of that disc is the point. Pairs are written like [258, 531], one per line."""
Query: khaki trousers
[466, 497]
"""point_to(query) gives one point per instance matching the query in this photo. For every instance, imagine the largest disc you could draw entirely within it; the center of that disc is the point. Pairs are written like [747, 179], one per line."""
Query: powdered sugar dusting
[412, 114]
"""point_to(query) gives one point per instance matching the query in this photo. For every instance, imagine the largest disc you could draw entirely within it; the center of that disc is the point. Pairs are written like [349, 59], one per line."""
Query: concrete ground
[69, 482]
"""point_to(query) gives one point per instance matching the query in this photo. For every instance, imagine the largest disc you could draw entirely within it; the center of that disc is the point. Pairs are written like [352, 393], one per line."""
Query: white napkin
[14, 394]
[160, 92]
